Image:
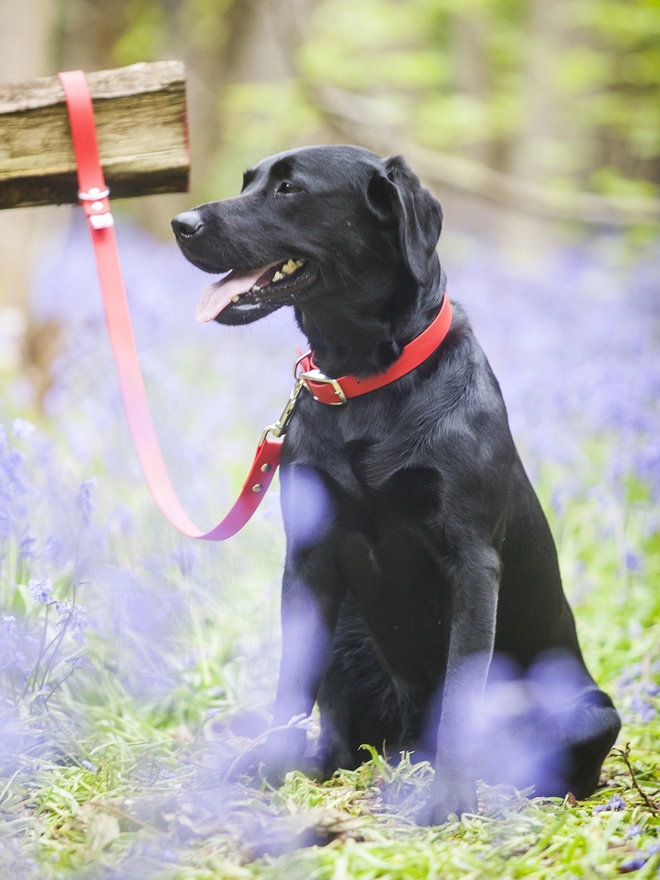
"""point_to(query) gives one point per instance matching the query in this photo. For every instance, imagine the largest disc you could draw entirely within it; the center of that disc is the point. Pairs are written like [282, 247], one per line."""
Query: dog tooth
[235, 299]
[278, 276]
[289, 267]
[299, 263]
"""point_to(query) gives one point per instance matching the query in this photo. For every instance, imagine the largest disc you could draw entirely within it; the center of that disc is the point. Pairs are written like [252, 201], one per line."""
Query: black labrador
[431, 557]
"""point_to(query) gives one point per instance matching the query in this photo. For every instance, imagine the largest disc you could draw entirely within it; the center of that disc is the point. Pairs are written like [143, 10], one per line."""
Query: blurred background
[536, 122]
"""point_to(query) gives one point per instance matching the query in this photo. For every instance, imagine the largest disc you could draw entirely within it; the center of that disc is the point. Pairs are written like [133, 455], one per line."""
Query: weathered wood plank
[141, 126]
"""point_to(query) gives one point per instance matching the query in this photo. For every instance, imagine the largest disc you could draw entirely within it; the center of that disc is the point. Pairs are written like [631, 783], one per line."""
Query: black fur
[433, 549]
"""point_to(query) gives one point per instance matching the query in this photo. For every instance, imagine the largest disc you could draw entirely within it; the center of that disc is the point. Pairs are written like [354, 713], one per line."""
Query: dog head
[331, 224]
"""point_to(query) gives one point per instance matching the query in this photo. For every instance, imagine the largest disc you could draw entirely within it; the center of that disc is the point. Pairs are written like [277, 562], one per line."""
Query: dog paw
[285, 752]
[440, 807]
[245, 765]
[433, 813]
[274, 770]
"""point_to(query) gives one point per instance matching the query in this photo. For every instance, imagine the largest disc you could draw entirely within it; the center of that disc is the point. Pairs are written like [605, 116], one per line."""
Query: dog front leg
[308, 624]
[471, 640]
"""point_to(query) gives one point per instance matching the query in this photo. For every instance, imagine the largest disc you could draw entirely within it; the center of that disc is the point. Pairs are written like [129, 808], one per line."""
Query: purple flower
[73, 617]
[642, 708]
[307, 491]
[79, 663]
[26, 547]
[647, 712]
[637, 862]
[84, 499]
[185, 557]
[633, 561]
[41, 590]
[616, 802]
[633, 864]
[54, 551]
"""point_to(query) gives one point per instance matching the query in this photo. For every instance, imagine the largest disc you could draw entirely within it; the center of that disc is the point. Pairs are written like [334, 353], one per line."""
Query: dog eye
[286, 188]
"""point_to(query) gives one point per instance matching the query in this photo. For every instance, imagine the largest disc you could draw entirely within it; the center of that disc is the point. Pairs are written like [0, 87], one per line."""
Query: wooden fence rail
[142, 133]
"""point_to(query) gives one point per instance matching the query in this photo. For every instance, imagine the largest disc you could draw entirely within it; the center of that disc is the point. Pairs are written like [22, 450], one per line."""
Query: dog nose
[187, 224]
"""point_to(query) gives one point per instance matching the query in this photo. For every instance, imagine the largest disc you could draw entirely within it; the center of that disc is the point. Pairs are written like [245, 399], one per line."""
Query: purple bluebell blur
[511, 732]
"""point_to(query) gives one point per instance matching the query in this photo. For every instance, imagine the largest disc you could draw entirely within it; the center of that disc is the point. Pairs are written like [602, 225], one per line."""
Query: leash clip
[281, 424]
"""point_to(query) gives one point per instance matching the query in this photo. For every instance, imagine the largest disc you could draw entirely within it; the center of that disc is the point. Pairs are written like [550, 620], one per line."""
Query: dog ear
[397, 192]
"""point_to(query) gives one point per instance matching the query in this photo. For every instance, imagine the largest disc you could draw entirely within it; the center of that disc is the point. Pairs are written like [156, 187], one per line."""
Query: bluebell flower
[84, 499]
[54, 551]
[26, 548]
[642, 708]
[633, 560]
[637, 862]
[616, 802]
[73, 617]
[41, 590]
[185, 557]
[10, 466]
[633, 864]
[80, 662]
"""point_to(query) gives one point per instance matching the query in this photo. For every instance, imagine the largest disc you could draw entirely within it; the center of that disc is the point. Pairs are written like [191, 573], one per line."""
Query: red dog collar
[336, 392]
[93, 195]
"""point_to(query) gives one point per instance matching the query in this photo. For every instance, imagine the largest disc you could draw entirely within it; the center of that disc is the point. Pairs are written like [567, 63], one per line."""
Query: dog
[428, 577]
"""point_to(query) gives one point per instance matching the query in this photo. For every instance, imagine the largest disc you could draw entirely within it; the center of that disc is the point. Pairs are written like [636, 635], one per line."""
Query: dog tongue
[217, 296]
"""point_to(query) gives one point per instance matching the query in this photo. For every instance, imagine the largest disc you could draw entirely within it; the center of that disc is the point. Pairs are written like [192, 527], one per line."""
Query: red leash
[93, 194]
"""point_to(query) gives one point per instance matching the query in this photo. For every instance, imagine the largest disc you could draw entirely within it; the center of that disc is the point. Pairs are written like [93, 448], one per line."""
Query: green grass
[121, 792]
